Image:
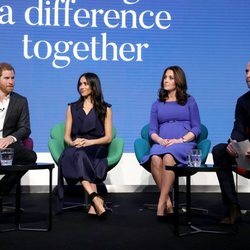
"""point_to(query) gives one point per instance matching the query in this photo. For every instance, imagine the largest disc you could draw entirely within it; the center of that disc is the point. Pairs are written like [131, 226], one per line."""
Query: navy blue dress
[85, 163]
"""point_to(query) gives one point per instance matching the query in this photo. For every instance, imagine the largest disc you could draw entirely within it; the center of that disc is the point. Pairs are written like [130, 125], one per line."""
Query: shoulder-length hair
[181, 85]
[96, 94]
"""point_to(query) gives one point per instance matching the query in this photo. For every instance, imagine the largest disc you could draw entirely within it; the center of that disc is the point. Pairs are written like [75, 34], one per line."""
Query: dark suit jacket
[241, 129]
[17, 120]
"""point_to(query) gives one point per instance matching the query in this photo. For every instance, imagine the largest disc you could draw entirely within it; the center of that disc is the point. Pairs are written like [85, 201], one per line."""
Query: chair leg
[243, 211]
[73, 206]
[67, 206]
[7, 207]
[182, 207]
[1, 207]
[150, 206]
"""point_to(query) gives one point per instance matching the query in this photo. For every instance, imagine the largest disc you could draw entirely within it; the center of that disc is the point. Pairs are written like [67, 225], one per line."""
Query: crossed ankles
[166, 215]
[91, 211]
[98, 205]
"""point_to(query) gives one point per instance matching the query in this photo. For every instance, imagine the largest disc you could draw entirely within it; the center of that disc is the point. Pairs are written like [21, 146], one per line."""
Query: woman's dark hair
[96, 95]
[181, 85]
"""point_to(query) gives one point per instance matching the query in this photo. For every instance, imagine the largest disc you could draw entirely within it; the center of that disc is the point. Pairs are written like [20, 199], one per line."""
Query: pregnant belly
[175, 129]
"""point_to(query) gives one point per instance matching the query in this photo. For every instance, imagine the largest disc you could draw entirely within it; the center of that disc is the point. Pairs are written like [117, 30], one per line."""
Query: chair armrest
[142, 148]
[115, 152]
[204, 145]
[55, 149]
[242, 171]
[28, 143]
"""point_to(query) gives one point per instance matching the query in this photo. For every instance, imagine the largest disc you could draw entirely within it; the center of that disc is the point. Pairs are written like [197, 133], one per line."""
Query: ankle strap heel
[92, 196]
[98, 204]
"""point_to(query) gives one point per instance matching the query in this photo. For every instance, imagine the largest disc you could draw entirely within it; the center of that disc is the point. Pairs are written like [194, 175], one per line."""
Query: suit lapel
[10, 107]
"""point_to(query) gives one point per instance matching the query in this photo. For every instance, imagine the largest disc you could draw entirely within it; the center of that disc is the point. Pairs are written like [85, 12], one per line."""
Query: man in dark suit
[14, 124]
[224, 155]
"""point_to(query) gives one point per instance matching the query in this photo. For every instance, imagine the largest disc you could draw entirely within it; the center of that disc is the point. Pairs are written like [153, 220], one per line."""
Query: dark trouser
[22, 155]
[224, 162]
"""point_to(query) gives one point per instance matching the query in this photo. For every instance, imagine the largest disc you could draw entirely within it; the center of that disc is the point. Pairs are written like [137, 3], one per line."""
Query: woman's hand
[162, 141]
[173, 141]
[168, 142]
[82, 142]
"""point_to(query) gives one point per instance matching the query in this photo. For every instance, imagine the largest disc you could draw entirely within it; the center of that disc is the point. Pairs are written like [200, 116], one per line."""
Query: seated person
[224, 156]
[88, 133]
[14, 125]
[174, 127]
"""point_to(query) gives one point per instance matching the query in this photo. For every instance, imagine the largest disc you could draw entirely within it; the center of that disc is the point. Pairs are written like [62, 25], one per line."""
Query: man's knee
[28, 157]
[219, 150]
[32, 156]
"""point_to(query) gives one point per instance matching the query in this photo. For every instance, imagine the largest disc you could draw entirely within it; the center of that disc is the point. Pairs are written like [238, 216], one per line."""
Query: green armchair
[56, 146]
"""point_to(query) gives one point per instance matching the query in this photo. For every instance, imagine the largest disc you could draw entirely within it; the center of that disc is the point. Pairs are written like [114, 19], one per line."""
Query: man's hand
[231, 151]
[248, 154]
[5, 142]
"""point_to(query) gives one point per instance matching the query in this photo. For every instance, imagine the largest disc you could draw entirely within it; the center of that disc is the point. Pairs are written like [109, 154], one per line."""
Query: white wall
[129, 176]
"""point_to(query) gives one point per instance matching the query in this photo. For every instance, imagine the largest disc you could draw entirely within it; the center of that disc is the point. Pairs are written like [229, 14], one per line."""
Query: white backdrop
[129, 176]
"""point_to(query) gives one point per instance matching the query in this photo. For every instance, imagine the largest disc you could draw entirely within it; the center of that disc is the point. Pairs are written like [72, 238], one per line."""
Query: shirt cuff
[14, 139]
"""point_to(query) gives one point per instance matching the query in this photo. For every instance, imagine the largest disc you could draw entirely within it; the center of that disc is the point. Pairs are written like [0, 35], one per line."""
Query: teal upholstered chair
[143, 144]
[56, 146]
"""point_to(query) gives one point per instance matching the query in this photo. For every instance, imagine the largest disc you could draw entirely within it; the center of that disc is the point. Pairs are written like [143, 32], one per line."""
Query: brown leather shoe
[233, 217]
[225, 221]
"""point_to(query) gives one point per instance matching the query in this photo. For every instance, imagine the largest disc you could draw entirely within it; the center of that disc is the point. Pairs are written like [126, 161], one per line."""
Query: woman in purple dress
[88, 132]
[174, 127]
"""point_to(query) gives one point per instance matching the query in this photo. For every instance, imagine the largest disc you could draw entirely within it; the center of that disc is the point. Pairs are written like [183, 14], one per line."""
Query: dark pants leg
[224, 162]
[22, 155]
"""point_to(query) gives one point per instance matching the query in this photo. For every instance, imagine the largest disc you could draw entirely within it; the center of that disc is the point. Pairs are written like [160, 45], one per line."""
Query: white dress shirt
[3, 110]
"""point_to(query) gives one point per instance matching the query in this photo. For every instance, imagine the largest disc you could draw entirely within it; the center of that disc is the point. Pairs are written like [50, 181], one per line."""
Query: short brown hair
[5, 66]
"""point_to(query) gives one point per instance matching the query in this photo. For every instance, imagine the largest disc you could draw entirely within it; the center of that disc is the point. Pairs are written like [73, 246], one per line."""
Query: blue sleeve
[194, 116]
[153, 126]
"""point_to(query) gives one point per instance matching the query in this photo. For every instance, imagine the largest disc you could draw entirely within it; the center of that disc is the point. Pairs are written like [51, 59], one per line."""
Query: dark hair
[96, 95]
[181, 85]
[6, 66]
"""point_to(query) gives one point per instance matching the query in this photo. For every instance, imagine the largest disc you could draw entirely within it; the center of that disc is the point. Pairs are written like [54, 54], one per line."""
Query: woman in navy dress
[88, 133]
[174, 127]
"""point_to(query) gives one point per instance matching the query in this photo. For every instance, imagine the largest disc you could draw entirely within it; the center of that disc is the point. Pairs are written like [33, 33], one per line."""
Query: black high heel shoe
[168, 215]
[168, 218]
[98, 204]
[91, 212]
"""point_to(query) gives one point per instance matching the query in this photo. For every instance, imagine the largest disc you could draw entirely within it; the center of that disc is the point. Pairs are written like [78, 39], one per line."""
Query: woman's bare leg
[166, 184]
[91, 208]
[91, 188]
[157, 169]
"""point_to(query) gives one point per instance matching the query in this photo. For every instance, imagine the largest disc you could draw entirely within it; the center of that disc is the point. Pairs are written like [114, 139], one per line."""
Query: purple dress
[171, 120]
